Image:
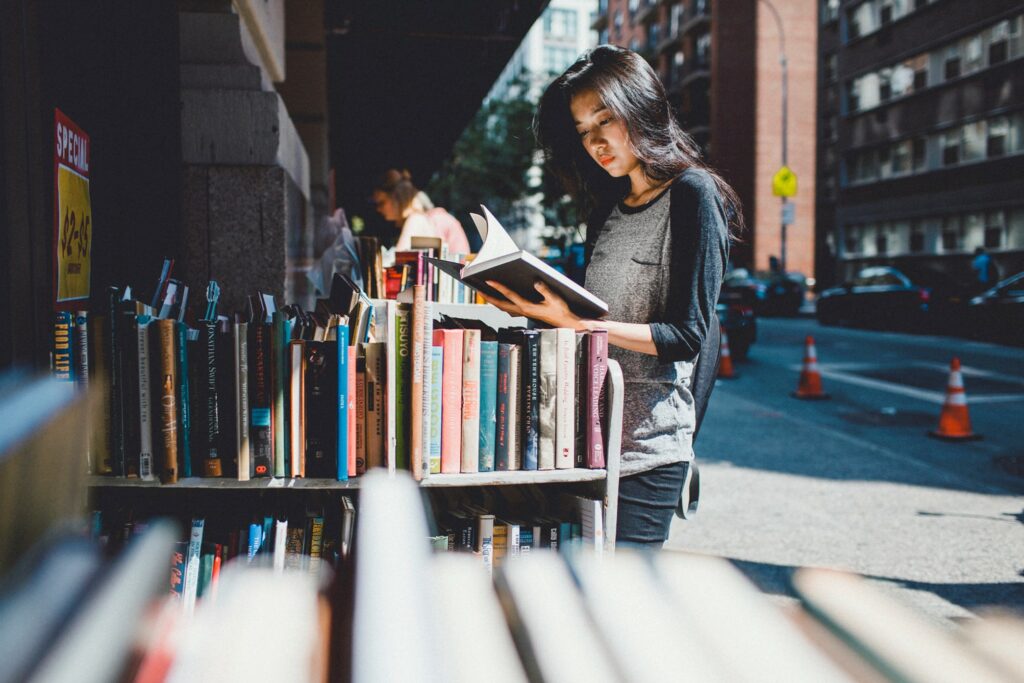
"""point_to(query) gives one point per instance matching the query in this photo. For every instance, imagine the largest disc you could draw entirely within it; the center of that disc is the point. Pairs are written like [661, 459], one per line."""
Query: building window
[950, 144]
[952, 234]
[829, 11]
[634, 5]
[881, 241]
[851, 241]
[999, 43]
[829, 68]
[634, 44]
[557, 59]
[917, 239]
[560, 23]
[653, 35]
[700, 7]
[618, 20]
[974, 141]
[995, 228]
[703, 49]
[973, 55]
[998, 132]
[675, 19]
[951, 66]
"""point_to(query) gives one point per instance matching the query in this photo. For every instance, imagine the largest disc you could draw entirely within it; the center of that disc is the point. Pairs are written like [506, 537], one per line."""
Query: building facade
[720, 63]
[921, 135]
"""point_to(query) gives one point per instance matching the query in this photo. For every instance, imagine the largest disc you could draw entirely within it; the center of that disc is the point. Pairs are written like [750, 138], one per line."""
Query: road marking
[974, 372]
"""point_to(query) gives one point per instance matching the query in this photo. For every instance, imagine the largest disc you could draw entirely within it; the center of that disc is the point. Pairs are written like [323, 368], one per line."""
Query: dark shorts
[647, 502]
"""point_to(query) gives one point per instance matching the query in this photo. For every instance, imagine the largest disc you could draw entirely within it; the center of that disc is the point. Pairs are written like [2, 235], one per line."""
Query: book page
[496, 241]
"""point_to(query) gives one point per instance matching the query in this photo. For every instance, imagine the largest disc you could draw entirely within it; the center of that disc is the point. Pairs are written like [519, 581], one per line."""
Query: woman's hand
[551, 310]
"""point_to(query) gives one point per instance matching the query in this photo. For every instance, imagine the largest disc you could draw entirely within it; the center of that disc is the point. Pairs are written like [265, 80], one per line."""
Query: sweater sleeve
[700, 250]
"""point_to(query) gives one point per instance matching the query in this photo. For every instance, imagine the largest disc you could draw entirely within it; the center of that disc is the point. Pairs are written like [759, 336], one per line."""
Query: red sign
[72, 207]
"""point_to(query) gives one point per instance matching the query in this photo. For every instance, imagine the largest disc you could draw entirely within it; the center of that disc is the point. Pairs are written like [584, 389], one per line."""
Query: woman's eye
[583, 133]
[605, 122]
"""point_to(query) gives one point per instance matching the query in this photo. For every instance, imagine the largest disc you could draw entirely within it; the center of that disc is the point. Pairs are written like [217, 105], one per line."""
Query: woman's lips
[604, 161]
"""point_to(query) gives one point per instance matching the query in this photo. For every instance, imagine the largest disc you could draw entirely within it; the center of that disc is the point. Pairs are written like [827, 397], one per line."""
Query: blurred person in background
[985, 275]
[398, 201]
[657, 244]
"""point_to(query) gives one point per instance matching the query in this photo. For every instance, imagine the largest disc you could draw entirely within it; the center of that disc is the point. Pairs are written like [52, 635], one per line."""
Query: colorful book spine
[80, 344]
[488, 403]
[178, 558]
[436, 401]
[195, 547]
[261, 412]
[403, 379]
[211, 447]
[470, 401]
[579, 408]
[316, 543]
[145, 401]
[416, 394]
[321, 409]
[530, 426]
[485, 540]
[279, 365]
[167, 391]
[565, 402]
[360, 416]
[61, 355]
[353, 464]
[501, 429]
[243, 455]
[297, 412]
[515, 389]
[227, 411]
[342, 402]
[451, 399]
[376, 379]
[548, 398]
[597, 364]
[117, 398]
[427, 341]
[184, 400]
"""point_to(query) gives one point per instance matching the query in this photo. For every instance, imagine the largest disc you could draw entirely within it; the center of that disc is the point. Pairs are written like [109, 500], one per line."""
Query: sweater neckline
[627, 209]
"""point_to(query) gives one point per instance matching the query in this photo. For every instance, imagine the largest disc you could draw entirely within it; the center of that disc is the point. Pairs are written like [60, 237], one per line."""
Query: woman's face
[603, 135]
[386, 206]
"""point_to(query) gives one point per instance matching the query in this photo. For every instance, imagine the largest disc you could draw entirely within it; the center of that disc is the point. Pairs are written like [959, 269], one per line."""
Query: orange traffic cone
[809, 387]
[954, 422]
[725, 369]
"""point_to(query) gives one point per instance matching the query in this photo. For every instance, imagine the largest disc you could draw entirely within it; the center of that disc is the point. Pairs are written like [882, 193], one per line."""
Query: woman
[399, 202]
[657, 245]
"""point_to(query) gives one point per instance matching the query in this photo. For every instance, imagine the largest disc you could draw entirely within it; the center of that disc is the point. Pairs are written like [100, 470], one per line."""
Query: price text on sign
[73, 236]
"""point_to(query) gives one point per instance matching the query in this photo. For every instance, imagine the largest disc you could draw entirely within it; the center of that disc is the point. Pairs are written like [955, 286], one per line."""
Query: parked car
[998, 313]
[889, 298]
[739, 320]
[775, 295]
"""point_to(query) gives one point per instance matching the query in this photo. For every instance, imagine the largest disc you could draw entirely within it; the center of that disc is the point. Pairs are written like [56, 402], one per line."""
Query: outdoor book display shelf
[111, 492]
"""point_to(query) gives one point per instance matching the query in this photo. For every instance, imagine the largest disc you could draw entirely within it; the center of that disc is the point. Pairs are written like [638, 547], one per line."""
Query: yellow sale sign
[73, 213]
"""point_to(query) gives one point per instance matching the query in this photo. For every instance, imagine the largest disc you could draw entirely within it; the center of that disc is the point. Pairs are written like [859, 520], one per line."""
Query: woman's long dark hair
[629, 88]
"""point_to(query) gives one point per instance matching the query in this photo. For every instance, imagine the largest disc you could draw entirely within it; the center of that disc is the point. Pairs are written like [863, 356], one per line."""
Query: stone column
[246, 172]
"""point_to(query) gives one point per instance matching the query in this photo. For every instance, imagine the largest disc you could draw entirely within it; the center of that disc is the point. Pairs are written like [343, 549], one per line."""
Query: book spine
[297, 412]
[436, 391]
[376, 417]
[80, 343]
[279, 364]
[353, 354]
[280, 543]
[513, 540]
[360, 417]
[342, 403]
[211, 461]
[167, 391]
[470, 401]
[501, 430]
[548, 398]
[145, 401]
[565, 402]
[195, 546]
[261, 414]
[99, 442]
[117, 398]
[178, 561]
[316, 544]
[416, 394]
[255, 541]
[61, 356]
[580, 405]
[515, 408]
[451, 400]
[184, 400]
[488, 400]
[531, 400]
[129, 391]
[403, 388]
[227, 410]
[293, 547]
[428, 336]
[243, 457]
[597, 365]
[321, 410]
[485, 540]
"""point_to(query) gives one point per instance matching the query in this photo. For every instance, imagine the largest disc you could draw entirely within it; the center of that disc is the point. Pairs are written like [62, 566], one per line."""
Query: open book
[502, 261]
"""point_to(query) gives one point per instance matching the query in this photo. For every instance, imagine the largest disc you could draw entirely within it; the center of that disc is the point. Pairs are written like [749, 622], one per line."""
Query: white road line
[936, 397]
[974, 372]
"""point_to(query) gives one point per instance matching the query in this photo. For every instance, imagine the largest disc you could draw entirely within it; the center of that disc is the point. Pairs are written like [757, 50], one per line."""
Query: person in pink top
[399, 202]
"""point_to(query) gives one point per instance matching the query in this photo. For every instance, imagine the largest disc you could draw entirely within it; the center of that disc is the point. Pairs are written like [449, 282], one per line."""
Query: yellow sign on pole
[784, 183]
[72, 231]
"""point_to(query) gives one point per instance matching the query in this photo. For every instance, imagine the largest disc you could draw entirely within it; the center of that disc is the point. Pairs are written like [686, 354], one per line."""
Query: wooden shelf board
[512, 478]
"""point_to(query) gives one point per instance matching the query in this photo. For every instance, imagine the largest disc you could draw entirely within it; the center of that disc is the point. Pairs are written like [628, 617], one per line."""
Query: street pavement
[854, 482]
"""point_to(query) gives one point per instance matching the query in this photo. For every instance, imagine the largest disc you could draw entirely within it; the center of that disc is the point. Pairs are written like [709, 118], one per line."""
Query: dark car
[998, 313]
[884, 297]
[738, 319]
[776, 294]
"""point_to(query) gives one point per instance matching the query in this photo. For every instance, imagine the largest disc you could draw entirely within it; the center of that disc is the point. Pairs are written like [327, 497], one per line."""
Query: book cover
[500, 260]
[470, 401]
[146, 470]
[376, 379]
[502, 410]
[451, 342]
[279, 390]
[597, 370]
[515, 408]
[548, 398]
[436, 391]
[297, 409]
[403, 383]
[243, 459]
[488, 403]
[165, 388]
[342, 403]
[565, 402]
[360, 416]
[321, 411]
[261, 412]
[184, 400]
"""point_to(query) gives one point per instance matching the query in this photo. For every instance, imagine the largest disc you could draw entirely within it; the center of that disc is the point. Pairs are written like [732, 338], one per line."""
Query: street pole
[785, 127]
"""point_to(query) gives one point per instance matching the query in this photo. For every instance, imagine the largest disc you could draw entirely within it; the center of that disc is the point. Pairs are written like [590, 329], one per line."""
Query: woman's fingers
[508, 294]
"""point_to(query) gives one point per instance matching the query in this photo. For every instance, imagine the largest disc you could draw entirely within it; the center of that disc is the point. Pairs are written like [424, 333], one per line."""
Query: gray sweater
[661, 264]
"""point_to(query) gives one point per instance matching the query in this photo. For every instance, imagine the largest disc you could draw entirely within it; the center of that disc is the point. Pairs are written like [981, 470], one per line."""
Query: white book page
[497, 242]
